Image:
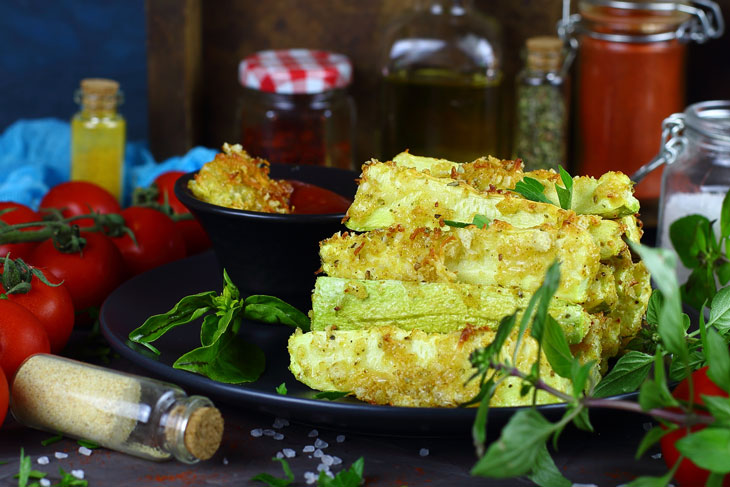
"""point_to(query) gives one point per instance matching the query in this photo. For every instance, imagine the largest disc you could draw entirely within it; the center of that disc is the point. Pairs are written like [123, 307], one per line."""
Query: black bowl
[271, 253]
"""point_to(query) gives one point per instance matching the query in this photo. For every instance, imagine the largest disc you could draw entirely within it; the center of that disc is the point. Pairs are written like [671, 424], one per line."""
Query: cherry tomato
[89, 275]
[196, 240]
[158, 240]
[79, 198]
[688, 474]
[4, 394]
[52, 305]
[310, 199]
[21, 335]
[18, 214]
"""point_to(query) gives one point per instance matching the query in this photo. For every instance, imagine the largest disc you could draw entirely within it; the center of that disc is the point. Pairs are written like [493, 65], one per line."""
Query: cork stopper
[204, 432]
[99, 87]
[544, 53]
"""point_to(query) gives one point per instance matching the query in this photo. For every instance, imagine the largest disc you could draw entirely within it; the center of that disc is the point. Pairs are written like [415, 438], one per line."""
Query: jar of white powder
[696, 150]
[136, 415]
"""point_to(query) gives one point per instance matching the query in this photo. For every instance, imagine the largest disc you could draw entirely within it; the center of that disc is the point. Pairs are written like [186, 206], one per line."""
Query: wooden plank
[174, 74]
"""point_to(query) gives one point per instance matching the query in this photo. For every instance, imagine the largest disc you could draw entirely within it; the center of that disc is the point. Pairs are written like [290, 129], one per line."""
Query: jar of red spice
[631, 75]
[295, 108]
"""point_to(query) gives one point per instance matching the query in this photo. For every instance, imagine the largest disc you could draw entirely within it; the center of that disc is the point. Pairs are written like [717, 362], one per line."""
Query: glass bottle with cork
[541, 113]
[98, 133]
[143, 417]
[295, 109]
[441, 74]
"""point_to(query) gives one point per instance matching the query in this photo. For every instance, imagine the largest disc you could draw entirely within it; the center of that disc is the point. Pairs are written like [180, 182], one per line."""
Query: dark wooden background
[194, 48]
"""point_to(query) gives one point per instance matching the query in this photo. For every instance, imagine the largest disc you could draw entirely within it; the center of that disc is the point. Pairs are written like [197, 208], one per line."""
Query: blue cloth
[36, 155]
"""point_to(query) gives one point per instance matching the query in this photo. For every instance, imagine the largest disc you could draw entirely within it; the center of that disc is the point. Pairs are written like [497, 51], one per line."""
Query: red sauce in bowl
[311, 199]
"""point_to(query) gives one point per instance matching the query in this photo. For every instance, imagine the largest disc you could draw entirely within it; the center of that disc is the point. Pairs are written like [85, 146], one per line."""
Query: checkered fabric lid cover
[295, 71]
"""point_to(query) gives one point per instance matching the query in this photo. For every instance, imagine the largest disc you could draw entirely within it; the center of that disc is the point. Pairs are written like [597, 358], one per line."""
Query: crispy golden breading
[351, 304]
[498, 255]
[389, 365]
[610, 196]
[236, 180]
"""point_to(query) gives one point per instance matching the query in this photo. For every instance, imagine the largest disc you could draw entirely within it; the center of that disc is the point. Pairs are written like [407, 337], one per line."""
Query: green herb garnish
[532, 189]
[51, 440]
[223, 355]
[272, 481]
[346, 478]
[281, 389]
[565, 195]
[87, 444]
[331, 395]
[480, 221]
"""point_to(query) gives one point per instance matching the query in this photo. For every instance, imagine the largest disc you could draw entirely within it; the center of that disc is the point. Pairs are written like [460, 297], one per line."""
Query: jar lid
[544, 52]
[295, 71]
[99, 86]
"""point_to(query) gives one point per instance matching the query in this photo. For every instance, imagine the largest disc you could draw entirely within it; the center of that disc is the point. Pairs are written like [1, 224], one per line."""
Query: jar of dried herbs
[541, 114]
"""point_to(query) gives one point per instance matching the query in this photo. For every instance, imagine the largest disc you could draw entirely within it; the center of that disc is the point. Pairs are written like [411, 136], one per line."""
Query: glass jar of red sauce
[294, 107]
[631, 75]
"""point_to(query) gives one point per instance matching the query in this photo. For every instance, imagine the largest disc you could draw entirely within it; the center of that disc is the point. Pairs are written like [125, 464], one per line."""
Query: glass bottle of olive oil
[98, 135]
[441, 82]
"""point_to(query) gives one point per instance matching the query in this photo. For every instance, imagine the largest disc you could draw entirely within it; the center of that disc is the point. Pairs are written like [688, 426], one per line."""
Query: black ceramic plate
[158, 290]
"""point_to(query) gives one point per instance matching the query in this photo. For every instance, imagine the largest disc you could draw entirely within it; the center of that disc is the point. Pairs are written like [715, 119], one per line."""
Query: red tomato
[18, 214]
[158, 240]
[310, 199]
[4, 393]
[196, 240]
[89, 275]
[688, 474]
[52, 305]
[79, 198]
[21, 335]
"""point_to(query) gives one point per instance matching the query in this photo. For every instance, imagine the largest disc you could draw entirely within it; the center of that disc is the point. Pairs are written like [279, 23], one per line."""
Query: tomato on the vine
[21, 335]
[688, 474]
[89, 275]
[52, 305]
[196, 239]
[158, 241]
[18, 213]
[75, 198]
[4, 396]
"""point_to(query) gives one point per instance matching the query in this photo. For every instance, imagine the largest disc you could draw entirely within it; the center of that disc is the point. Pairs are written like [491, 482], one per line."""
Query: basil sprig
[534, 190]
[223, 355]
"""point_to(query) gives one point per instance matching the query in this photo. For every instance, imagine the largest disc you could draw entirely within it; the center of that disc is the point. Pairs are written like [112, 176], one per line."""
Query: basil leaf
[546, 292]
[479, 428]
[482, 358]
[556, 348]
[331, 395]
[579, 375]
[720, 311]
[346, 478]
[188, 309]
[708, 448]
[651, 396]
[700, 286]
[565, 195]
[684, 233]
[723, 272]
[629, 372]
[545, 473]
[532, 189]
[214, 325]
[281, 389]
[456, 224]
[655, 304]
[518, 448]
[725, 217]
[230, 360]
[651, 438]
[718, 359]
[481, 221]
[24, 469]
[719, 407]
[270, 309]
[272, 481]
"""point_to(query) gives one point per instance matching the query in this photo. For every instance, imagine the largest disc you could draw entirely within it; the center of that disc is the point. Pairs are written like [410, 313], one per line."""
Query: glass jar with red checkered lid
[295, 108]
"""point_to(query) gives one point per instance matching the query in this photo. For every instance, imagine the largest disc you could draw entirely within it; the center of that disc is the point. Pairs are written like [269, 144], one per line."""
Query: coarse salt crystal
[279, 455]
[323, 468]
[256, 433]
[85, 451]
[319, 443]
[45, 483]
[423, 452]
[656, 456]
[313, 433]
[60, 455]
[310, 477]
[278, 436]
[43, 460]
[308, 449]
[336, 460]
[79, 474]
[327, 459]
[289, 453]
[340, 438]
[269, 432]
[225, 461]
[280, 423]
[318, 453]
